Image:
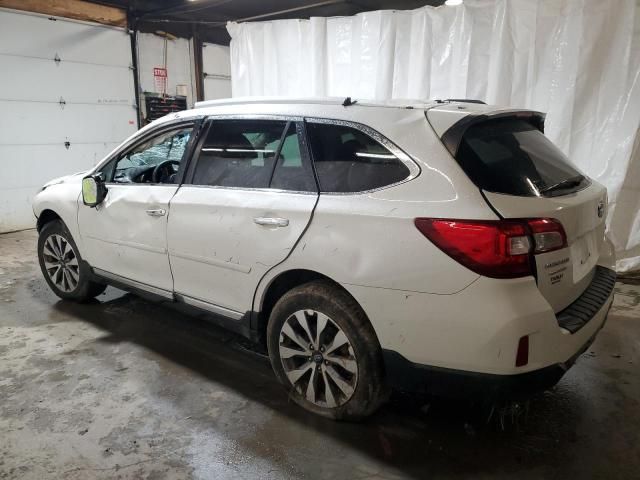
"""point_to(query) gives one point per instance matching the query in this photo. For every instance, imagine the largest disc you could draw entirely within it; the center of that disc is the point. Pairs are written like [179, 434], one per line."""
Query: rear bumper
[404, 375]
[586, 306]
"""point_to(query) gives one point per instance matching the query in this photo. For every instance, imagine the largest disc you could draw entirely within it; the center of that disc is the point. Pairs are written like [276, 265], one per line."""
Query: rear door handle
[156, 212]
[271, 221]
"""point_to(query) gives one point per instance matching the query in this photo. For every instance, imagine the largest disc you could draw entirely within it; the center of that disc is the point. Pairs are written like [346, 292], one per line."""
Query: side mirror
[93, 190]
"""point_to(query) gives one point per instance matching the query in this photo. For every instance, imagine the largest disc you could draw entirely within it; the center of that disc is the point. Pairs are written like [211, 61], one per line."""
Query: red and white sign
[160, 79]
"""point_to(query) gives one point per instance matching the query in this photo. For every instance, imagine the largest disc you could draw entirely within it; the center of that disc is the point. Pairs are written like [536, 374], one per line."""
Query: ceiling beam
[218, 23]
[181, 8]
[76, 9]
[289, 10]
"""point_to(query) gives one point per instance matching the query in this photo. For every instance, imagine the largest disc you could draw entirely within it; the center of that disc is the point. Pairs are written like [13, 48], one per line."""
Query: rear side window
[239, 153]
[348, 160]
[513, 157]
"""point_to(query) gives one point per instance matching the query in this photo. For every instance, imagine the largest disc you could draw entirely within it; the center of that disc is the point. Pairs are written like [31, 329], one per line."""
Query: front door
[247, 201]
[125, 236]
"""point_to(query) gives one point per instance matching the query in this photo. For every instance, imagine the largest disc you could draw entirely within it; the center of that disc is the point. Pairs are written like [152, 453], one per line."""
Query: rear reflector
[522, 355]
[494, 248]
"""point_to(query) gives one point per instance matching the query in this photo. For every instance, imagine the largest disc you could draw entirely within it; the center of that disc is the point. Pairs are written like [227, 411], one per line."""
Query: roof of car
[442, 113]
[344, 101]
[329, 107]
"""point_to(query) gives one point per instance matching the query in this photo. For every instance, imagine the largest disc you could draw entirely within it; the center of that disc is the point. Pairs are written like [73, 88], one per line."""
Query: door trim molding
[173, 296]
[123, 243]
[210, 307]
[210, 261]
[133, 283]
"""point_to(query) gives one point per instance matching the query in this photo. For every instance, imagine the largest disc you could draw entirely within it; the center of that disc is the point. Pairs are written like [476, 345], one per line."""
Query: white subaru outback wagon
[445, 247]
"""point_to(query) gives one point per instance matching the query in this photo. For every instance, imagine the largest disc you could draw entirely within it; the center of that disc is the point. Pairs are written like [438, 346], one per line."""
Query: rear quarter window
[513, 157]
[348, 160]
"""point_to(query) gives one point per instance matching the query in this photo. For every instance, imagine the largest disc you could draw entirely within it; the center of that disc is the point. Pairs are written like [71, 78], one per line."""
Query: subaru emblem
[600, 209]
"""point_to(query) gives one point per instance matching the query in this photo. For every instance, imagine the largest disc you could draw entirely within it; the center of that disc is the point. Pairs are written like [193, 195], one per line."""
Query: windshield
[513, 157]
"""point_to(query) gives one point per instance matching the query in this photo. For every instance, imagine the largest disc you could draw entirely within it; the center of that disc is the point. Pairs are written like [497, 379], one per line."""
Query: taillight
[494, 248]
[548, 234]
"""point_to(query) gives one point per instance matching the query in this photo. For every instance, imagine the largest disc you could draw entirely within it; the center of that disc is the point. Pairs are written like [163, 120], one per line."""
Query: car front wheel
[62, 266]
[324, 350]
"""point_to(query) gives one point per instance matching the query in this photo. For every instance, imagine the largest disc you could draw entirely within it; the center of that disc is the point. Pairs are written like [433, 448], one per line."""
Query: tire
[352, 372]
[69, 278]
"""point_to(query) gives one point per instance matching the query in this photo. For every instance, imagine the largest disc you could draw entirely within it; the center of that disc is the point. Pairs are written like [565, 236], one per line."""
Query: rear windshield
[513, 157]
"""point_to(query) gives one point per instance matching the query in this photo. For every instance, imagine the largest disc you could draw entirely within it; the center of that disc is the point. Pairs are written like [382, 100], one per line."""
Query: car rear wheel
[324, 350]
[62, 266]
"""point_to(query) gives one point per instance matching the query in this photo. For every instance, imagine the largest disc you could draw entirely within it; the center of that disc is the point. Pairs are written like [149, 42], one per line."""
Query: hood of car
[73, 178]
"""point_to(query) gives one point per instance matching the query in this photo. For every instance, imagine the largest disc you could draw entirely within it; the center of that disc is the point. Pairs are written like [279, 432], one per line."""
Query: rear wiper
[566, 183]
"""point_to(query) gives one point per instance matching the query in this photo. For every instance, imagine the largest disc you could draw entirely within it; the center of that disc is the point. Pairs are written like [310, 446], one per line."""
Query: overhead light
[453, 3]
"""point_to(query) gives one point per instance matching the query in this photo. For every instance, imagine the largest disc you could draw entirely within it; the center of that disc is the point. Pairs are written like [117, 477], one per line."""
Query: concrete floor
[125, 388]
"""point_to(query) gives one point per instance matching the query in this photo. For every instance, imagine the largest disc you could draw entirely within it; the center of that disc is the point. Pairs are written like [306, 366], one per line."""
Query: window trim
[414, 168]
[305, 154]
[283, 135]
[194, 122]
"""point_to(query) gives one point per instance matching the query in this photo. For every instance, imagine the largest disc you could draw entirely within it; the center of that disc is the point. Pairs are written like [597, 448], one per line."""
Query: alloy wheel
[61, 262]
[318, 358]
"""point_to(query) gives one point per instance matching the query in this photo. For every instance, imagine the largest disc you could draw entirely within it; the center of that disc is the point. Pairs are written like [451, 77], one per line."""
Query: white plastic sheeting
[577, 60]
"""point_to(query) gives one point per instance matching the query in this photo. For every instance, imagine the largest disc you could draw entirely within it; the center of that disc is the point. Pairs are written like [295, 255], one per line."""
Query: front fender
[61, 199]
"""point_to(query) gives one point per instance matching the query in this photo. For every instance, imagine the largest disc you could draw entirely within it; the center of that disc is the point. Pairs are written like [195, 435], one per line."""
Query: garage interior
[126, 387]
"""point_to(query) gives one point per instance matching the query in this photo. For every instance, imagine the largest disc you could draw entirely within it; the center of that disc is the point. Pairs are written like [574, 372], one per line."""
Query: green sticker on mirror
[89, 191]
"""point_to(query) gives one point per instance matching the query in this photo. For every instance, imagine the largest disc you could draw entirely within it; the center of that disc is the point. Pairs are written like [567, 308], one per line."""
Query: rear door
[249, 197]
[523, 175]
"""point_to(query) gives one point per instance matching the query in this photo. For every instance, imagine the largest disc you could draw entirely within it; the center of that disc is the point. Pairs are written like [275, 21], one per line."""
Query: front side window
[253, 154]
[349, 160]
[153, 161]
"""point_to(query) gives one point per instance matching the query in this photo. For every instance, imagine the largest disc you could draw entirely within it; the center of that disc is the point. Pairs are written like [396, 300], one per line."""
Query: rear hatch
[522, 174]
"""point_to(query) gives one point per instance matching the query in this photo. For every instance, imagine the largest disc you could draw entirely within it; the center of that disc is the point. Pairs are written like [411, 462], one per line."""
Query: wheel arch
[64, 212]
[281, 283]
[47, 216]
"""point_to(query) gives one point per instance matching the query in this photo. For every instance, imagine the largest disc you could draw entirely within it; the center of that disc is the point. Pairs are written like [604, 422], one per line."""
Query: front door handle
[271, 221]
[156, 212]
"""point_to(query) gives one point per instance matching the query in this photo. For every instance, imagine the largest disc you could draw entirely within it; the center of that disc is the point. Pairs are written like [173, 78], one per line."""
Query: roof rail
[462, 100]
[278, 100]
